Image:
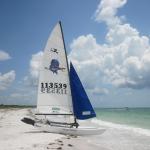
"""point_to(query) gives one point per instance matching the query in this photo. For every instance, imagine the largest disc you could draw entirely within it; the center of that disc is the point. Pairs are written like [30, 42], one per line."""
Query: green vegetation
[2, 106]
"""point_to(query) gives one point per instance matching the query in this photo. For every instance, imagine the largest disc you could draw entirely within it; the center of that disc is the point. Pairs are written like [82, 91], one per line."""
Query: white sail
[54, 94]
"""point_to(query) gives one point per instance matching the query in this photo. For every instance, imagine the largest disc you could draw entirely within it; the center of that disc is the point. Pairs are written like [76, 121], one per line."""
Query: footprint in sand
[58, 148]
[51, 143]
[70, 145]
[55, 145]
[59, 141]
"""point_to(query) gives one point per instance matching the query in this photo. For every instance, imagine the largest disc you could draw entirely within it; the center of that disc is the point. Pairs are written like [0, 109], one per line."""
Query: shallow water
[134, 117]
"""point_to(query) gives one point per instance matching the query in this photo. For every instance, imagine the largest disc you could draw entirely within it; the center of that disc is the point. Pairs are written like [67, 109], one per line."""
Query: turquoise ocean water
[134, 117]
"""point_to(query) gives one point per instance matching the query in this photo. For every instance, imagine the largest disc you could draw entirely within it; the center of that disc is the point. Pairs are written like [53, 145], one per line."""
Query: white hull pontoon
[80, 131]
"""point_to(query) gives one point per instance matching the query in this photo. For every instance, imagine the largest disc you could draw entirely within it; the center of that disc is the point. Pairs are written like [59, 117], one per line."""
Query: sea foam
[121, 127]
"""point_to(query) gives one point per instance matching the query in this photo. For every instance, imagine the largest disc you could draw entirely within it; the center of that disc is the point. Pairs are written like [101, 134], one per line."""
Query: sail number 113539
[56, 88]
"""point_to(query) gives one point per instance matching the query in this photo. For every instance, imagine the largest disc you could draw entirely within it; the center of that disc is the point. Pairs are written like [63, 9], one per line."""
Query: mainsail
[81, 104]
[54, 95]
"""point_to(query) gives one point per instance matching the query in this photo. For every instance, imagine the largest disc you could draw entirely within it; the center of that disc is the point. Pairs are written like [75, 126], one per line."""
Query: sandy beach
[15, 135]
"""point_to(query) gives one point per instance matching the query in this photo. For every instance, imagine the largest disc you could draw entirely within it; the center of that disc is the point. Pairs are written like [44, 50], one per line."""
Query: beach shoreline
[16, 135]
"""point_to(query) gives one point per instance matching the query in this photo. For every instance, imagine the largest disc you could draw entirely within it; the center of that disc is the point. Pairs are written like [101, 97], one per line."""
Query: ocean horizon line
[110, 107]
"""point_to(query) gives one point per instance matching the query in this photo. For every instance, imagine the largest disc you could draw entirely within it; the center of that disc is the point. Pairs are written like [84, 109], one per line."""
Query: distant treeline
[16, 106]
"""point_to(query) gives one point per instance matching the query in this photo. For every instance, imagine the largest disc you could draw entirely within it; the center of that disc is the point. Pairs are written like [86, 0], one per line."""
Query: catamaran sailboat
[62, 100]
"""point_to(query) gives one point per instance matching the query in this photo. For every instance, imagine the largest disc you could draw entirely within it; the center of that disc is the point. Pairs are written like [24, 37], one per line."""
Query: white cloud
[4, 56]
[107, 10]
[24, 97]
[16, 95]
[35, 64]
[6, 79]
[99, 91]
[19, 95]
[123, 61]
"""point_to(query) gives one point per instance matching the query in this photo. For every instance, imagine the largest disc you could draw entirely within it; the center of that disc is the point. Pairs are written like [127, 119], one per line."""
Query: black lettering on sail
[58, 91]
[54, 88]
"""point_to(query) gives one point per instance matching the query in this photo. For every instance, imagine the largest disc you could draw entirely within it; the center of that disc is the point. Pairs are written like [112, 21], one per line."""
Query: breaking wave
[121, 127]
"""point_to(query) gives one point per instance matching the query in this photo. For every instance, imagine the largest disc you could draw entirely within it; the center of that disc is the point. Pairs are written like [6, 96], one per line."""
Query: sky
[107, 41]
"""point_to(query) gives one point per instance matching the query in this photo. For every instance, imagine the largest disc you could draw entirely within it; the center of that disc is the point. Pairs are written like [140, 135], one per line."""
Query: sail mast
[67, 63]
[64, 48]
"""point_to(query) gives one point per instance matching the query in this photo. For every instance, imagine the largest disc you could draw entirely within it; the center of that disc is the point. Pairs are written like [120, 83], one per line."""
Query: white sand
[15, 135]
